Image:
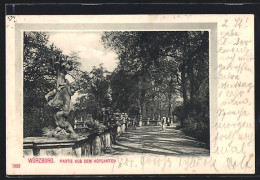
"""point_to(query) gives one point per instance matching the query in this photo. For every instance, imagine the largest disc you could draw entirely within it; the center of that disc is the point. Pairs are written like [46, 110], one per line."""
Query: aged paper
[231, 100]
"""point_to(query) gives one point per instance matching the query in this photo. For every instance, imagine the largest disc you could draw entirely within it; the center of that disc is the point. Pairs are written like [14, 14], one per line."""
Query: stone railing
[145, 123]
[89, 143]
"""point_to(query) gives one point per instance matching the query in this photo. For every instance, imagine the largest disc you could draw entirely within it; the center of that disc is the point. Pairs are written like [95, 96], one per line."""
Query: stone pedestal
[79, 147]
[123, 128]
[106, 142]
[45, 146]
[118, 131]
[90, 145]
[96, 146]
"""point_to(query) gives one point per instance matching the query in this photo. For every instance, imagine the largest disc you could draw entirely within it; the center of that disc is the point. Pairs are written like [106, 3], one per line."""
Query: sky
[91, 51]
[88, 44]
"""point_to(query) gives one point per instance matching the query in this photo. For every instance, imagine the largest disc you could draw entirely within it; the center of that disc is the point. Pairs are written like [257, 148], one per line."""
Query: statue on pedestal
[105, 115]
[60, 99]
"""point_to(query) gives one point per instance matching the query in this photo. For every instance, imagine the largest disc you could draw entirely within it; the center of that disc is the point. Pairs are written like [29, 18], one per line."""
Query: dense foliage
[39, 79]
[158, 74]
[163, 74]
[95, 91]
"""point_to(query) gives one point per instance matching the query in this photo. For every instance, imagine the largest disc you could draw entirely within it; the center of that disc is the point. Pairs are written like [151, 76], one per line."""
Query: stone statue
[105, 115]
[60, 99]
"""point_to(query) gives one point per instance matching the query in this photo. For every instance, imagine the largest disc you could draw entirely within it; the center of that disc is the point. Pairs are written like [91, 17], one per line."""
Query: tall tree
[167, 66]
[39, 79]
[95, 88]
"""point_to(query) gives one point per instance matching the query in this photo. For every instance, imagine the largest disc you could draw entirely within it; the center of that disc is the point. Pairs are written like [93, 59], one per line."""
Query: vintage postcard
[130, 94]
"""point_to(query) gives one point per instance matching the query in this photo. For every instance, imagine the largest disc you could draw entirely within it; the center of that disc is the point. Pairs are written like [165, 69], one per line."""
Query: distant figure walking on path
[134, 123]
[163, 123]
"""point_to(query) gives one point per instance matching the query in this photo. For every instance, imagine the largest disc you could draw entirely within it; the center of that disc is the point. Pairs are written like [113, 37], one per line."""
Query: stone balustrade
[145, 123]
[89, 143]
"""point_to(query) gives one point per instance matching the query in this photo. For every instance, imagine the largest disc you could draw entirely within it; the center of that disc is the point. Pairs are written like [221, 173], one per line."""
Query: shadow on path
[152, 140]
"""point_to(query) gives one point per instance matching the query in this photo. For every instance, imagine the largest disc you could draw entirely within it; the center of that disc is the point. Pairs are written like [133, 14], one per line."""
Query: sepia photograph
[130, 94]
[116, 93]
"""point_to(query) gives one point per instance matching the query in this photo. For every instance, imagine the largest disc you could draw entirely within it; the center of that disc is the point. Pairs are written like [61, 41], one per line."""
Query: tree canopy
[162, 74]
[40, 78]
[173, 64]
[159, 73]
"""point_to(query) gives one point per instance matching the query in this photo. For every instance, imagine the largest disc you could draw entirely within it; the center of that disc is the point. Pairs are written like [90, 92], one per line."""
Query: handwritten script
[235, 125]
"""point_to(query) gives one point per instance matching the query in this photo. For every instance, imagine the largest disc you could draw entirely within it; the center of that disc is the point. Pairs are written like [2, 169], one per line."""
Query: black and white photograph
[105, 93]
[130, 94]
